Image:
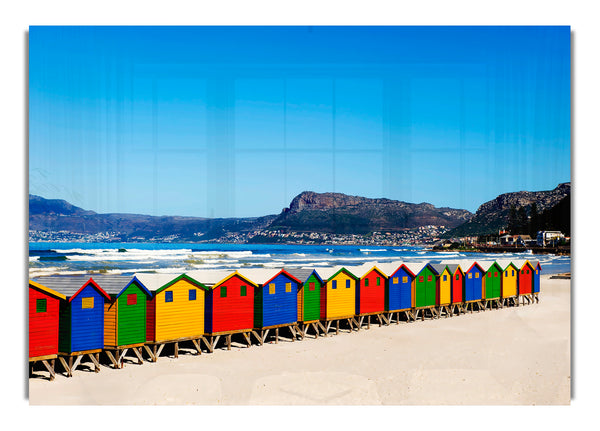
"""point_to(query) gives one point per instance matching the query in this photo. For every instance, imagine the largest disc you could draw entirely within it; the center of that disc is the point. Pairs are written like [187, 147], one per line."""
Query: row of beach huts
[72, 318]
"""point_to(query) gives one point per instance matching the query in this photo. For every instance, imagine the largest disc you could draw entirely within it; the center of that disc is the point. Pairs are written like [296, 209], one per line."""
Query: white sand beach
[512, 356]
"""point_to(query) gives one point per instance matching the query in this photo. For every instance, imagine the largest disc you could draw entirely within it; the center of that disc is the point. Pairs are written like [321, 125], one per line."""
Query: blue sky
[236, 121]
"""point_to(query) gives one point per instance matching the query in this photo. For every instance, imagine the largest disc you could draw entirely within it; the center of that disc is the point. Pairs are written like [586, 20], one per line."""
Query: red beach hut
[229, 305]
[44, 304]
[370, 296]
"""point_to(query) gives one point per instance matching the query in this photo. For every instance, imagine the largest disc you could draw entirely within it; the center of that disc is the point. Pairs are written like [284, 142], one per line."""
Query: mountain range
[334, 213]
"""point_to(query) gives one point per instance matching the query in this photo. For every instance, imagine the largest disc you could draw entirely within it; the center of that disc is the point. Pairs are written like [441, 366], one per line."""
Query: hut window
[522, 271]
[223, 291]
[378, 281]
[476, 275]
[496, 274]
[489, 274]
[131, 299]
[536, 271]
[169, 296]
[366, 282]
[272, 289]
[506, 273]
[288, 287]
[192, 294]
[445, 277]
[421, 279]
[457, 277]
[470, 275]
[347, 284]
[242, 290]
[334, 284]
[527, 271]
[87, 302]
[513, 272]
[404, 279]
[311, 285]
[429, 278]
[395, 280]
[40, 305]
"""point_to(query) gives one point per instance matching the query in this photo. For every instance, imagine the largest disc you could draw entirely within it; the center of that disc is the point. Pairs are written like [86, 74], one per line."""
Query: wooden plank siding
[131, 320]
[44, 308]
[509, 281]
[493, 282]
[399, 292]
[425, 288]
[370, 294]
[230, 305]
[340, 296]
[311, 299]
[473, 283]
[445, 287]
[276, 301]
[458, 286]
[110, 323]
[182, 317]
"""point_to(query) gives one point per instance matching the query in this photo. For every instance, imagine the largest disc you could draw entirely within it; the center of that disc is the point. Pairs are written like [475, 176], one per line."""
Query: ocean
[46, 258]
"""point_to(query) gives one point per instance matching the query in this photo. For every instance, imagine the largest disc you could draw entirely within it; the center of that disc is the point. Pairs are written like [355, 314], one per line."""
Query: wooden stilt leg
[176, 346]
[229, 342]
[337, 327]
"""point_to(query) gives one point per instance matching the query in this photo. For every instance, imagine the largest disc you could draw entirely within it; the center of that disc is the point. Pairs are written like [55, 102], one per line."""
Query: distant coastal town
[423, 236]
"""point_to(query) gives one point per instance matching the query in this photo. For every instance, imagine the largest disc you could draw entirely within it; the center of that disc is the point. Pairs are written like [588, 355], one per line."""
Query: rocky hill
[494, 215]
[340, 213]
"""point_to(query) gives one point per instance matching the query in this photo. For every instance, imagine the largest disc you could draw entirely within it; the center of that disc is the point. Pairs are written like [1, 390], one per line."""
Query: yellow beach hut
[338, 299]
[175, 314]
[510, 274]
[444, 289]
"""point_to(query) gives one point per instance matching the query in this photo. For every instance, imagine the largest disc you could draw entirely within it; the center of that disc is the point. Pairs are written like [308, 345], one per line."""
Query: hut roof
[211, 277]
[303, 274]
[330, 272]
[452, 267]
[264, 275]
[439, 267]
[47, 290]
[117, 284]
[70, 285]
[487, 264]
[158, 282]
[505, 263]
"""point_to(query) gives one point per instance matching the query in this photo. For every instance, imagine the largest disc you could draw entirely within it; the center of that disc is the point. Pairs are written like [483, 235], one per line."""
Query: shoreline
[462, 360]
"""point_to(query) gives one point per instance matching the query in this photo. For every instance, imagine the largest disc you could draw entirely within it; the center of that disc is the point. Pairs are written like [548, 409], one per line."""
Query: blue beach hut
[473, 283]
[399, 292]
[275, 300]
[81, 319]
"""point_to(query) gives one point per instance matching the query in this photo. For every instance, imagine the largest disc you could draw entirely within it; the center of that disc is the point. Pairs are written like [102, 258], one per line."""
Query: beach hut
[536, 279]
[399, 290]
[492, 284]
[426, 291]
[338, 299]
[124, 317]
[457, 288]
[44, 305]
[510, 275]
[229, 306]
[370, 297]
[309, 299]
[473, 285]
[81, 319]
[444, 288]
[275, 301]
[175, 313]
[525, 281]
